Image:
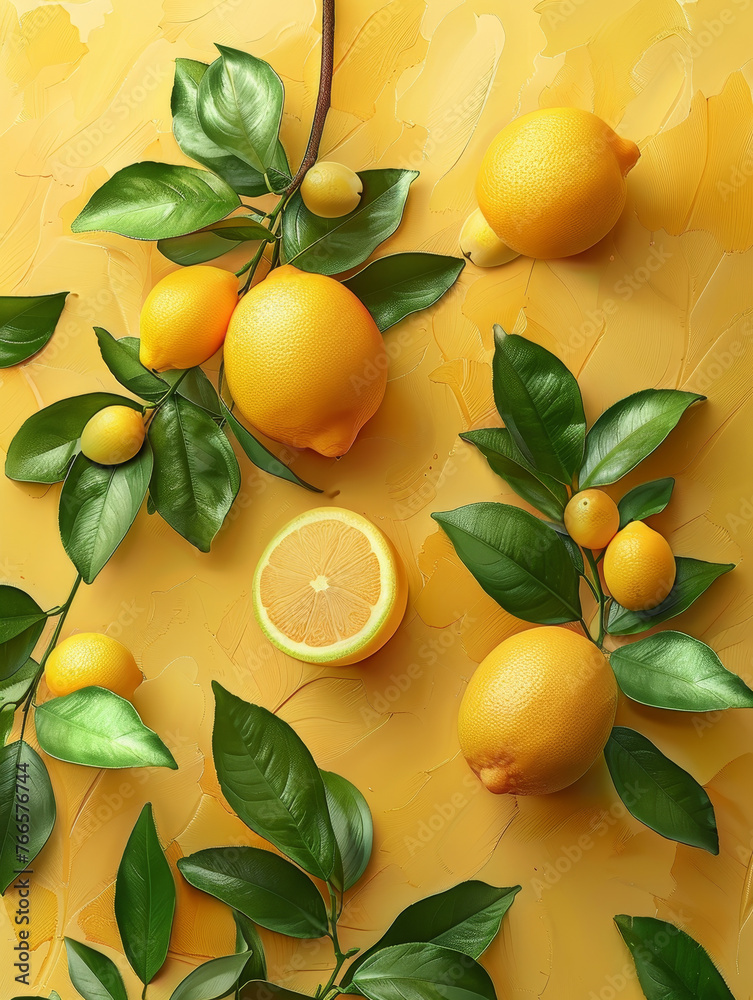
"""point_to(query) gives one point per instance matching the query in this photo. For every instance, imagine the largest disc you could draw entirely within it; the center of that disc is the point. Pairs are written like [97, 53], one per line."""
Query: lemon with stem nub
[91, 659]
[113, 435]
[480, 244]
[592, 519]
[331, 189]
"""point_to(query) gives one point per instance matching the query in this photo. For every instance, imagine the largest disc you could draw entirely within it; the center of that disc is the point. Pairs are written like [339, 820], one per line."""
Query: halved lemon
[330, 587]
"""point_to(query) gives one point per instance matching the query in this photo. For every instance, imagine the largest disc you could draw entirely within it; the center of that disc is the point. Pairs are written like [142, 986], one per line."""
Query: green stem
[341, 957]
[143, 993]
[599, 594]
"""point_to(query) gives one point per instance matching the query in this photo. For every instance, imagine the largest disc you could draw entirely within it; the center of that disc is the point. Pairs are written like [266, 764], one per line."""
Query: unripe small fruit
[592, 519]
[481, 245]
[113, 435]
[331, 189]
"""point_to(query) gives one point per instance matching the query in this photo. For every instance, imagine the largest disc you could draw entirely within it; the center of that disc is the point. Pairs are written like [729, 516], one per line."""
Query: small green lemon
[113, 435]
[331, 189]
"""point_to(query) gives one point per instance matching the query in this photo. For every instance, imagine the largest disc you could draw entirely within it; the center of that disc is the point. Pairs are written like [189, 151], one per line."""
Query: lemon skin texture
[113, 435]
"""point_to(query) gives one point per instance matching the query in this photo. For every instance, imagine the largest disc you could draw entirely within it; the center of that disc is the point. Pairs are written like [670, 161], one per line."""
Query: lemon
[639, 568]
[185, 316]
[592, 518]
[330, 588]
[305, 361]
[552, 183]
[91, 659]
[113, 435]
[331, 189]
[481, 245]
[537, 712]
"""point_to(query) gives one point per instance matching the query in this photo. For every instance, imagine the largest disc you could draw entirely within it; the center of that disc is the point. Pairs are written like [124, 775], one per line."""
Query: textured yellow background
[664, 301]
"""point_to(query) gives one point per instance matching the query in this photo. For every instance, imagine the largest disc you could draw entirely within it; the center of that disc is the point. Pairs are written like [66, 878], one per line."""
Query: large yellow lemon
[639, 568]
[91, 659]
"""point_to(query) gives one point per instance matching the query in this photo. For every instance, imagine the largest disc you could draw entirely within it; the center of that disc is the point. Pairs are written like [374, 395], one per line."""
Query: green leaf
[393, 287]
[195, 143]
[26, 324]
[576, 555]
[14, 688]
[196, 387]
[629, 431]
[215, 978]
[196, 475]
[208, 244]
[645, 500]
[519, 561]
[45, 443]
[669, 963]
[659, 792]
[26, 800]
[270, 779]
[98, 504]
[154, 201]
[351, 821]
[96, 727]
[21, 624]
[539, 400]
[7, 716]
[465, 918]
[673, 670]
[260, 989]
[95, 976]
[693, 578]
[122, 358]
[144, 899]
[263, 886]
[239, 106]
[541, 491]
[247, 938]
[261, 457]
[330, 246]
[423, 972]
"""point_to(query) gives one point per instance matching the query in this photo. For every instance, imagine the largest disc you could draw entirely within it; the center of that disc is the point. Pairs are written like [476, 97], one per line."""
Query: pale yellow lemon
[331, 189]
[113, 435]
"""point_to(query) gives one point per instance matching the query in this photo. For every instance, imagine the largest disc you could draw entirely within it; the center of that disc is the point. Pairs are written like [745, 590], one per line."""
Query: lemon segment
[329, 588]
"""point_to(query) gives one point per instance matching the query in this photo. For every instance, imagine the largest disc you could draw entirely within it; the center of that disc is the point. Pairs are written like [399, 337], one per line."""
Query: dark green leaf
[574, 551]
[44, 445]
[196, 387]
[519, 561]
[261, 990]
[14, 689]
[669, 963]
[26, 799]
[247, 938]
[693, 578]
[465, 918]
[263, 886]
[393, 287]
[98, 505]
[658, 792]
[539, 400]
[195, 143]
[96, 727]
[196, 475]
[541, 491]
[144, 899]
[351, 821]
[21, 623]
[122, 358]
[270, 779]
[154, 201]
[7, 716]
[240, 107]
[95, 976]
[26, 324]
[208, 244]
[423, 972]
[213, 979]
[673, 670]
[330, 246]
[261, 457]
[629, 431]
[645, 500]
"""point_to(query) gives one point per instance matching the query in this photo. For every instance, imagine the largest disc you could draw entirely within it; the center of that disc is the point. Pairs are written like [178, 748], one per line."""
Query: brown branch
[323, 98]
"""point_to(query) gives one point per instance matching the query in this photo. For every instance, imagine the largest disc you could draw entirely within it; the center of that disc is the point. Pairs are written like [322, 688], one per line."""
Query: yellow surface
[664, 301]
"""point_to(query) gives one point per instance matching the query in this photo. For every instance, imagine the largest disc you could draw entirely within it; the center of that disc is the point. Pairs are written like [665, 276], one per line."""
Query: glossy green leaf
[574, 551]
[331, 246]
[541, 491]
[659, 792]
[539, 400]
[144, 899]
[21, 624]
[693, 578]
[629, 431]
[14, 688]
[154, 201]
[263, 886]
[7, 718]
[45, 443]
[26, 324]
[239, 106]
[269, 777]
[208, 244]
[669, 963]
[352, 823]
[396, 286]
[195, 143]
[196, 387]
[673, 670]
[122, 358]
[645, 500]
[95, 976]
[215, 978]
[519, 561]
[27, 808]
[96, 727]
[260, 989]
[98, 504]
[423, 972]
[465, 918]
[196, 475]
[261, 457]
[247, 938]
